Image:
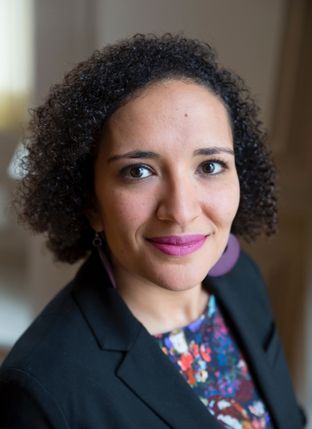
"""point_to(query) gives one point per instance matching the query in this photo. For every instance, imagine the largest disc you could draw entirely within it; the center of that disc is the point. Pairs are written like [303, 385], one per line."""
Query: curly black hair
[64, 132]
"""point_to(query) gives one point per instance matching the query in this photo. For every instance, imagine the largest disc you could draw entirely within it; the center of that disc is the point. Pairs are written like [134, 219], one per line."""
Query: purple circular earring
[228, 259]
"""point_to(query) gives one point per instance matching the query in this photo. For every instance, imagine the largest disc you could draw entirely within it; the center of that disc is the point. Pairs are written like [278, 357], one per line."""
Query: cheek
[125, 211]
[230, 203]
[223, 203]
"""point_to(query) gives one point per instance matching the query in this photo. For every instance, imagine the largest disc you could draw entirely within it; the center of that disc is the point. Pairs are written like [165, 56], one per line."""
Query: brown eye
[212, 167]
[136, 172]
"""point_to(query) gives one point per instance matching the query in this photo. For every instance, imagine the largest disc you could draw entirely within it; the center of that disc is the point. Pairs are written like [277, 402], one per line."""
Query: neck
[160, 309]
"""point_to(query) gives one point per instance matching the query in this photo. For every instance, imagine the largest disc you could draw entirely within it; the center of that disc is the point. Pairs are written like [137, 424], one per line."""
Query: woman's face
[166, 185]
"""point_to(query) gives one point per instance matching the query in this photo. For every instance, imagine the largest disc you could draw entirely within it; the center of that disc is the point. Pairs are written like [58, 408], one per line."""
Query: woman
[149, 157]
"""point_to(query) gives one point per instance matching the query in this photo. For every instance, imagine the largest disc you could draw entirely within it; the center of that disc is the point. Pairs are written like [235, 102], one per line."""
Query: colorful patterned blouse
[207, 356]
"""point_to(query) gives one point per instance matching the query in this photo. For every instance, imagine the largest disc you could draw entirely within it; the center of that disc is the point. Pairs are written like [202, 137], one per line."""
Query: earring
[107, 265]
[97, 240]
[98, 243]
[228, 259]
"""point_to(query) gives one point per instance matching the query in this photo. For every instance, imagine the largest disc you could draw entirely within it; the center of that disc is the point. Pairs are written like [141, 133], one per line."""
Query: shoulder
[49, 343]
[59, 329]
[50, 327]
[27, 376]
[50, 366]
[247, 269]
[19, 390]
[246, 283]
[242, 293]
[251, 285]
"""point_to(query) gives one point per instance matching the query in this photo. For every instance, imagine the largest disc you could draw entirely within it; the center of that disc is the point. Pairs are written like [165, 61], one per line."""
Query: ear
[94, 219]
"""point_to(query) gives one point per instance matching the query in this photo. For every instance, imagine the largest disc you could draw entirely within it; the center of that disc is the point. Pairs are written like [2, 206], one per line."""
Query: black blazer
[87, 363]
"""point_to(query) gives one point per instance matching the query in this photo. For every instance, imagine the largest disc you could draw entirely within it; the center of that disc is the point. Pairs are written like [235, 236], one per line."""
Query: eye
[134, 172]
[212, 167]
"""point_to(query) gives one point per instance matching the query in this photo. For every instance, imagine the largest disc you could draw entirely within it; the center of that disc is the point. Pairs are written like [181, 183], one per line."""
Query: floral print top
[207, 356]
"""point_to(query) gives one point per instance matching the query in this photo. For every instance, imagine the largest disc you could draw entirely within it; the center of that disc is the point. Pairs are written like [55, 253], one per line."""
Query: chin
[179, 278]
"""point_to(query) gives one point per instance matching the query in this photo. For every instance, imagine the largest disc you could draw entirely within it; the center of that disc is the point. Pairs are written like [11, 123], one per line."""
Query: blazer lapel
[275, 391]
[150, 374]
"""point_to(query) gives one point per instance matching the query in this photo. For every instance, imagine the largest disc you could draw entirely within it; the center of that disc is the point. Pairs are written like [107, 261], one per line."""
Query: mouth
[178, 245]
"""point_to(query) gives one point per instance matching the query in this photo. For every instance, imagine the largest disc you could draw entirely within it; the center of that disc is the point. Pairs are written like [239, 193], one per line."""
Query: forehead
[163, 95]
[167, 111]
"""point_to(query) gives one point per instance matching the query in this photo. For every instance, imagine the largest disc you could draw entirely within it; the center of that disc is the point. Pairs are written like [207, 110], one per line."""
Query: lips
[178, 245]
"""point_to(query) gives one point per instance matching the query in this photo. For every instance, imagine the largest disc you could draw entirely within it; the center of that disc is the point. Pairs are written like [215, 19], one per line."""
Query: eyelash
[223, 164]
[124, 172]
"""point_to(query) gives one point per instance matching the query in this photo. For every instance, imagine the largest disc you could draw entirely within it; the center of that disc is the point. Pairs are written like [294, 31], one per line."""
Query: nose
[179, 202]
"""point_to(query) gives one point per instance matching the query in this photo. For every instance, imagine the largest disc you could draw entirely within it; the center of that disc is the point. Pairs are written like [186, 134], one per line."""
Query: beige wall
[246, 33]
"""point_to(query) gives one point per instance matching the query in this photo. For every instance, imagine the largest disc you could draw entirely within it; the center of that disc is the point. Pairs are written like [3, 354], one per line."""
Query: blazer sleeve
[25, 404]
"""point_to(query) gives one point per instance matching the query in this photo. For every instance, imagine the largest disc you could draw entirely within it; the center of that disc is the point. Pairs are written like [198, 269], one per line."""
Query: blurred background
[267, 42]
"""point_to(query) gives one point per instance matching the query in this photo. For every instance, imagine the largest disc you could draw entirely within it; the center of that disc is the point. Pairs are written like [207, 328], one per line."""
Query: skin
[176, 192]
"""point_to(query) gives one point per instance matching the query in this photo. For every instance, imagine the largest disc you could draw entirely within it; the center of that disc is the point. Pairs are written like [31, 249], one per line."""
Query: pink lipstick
[178, 245]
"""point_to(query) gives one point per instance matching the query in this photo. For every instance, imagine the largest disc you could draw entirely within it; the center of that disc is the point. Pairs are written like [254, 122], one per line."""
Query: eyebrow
[135, 154]
[214, 150]
[140, 154]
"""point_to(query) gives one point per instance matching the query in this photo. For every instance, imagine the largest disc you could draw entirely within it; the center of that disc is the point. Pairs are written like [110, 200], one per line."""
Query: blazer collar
[147, 371]
[107, 315]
